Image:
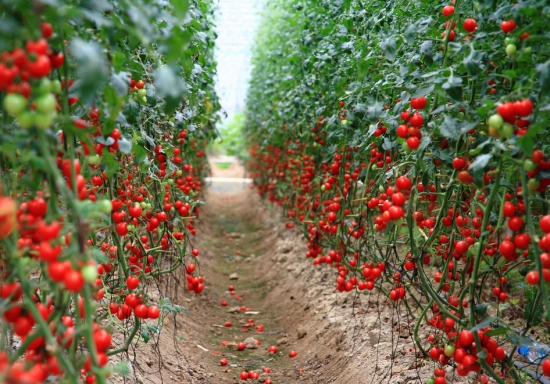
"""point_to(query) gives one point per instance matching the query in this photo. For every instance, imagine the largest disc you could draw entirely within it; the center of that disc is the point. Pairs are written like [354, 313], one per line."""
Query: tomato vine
[106, 108]
[409, 142]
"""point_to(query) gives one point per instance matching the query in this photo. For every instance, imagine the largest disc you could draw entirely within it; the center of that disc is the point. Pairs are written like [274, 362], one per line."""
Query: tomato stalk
[42, 325]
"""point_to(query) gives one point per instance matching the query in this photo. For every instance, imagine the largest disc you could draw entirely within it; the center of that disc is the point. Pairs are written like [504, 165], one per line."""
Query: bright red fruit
[470, 25]
[508, 26]
[448, 10]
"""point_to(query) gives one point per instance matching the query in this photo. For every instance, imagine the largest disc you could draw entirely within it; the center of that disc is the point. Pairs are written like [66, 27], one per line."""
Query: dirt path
[239, 241]
[343, 338]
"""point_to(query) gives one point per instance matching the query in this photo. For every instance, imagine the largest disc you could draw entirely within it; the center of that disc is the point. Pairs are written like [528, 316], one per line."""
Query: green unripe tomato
[43, 120]
[474, 248]
[399, 221]
[527, 50]
[179, 172]
[143, 100]
[508, 41]
[45, 86]
[406, 148]
[381, 188]
[374, 167]
[172, 210]
[89, 273]
[529, 165]
[46, 103]
[94, 160]
[131, 228]
[507, 130]
[323, 188]
[104, 205]
[496, 121]
[56, 87]
[449, 350]
[25, 119]
[533, 185]
[170, 181]
[511, 49]
[14, 104]
[431, 380]
[143, 205]
[149, 206]
[142, 92]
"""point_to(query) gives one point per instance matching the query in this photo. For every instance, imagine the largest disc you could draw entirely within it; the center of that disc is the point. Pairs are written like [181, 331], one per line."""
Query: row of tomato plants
[409, 140]
[106, 109]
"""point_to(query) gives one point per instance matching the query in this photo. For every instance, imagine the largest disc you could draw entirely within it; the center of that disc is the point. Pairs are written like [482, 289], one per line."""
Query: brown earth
[345, 338]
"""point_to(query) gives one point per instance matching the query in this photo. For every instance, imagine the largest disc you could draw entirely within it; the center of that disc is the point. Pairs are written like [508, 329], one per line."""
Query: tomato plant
[106, 109]
[408, 140]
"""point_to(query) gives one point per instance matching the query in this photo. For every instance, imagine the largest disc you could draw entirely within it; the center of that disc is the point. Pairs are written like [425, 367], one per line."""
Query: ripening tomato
[413, 142]
[47, 30]
[532, 278]
[140, 311]
[153, 312]
[508, 26]
[515, 223]
[102, 340]
[508, 209]
[7, 216]
[470, 25]
[73, 281]
[448, 10]
[39, 47]
[546, 367]
[544, 224]
[40, 67]
[419, 103]
[132, 282]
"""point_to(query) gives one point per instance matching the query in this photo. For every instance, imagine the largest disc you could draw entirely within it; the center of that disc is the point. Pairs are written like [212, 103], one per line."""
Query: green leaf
[91, 68]
[453, 87]
[519, 340]
[473, 62]
[112, 106]
[110, 164]
[362, 69]
[146, 336]
[544, 76]
[410, 33]
[180, 8]
[449, 128]
[486, 322]
[121, 82]
[170, 86]
[121, 368]
[497, 331]
[480, 162]
[140, 154]
[424, 91]
[527, 141]
[485, 108]
[388, 46]
[481, 309]
[532, 313]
